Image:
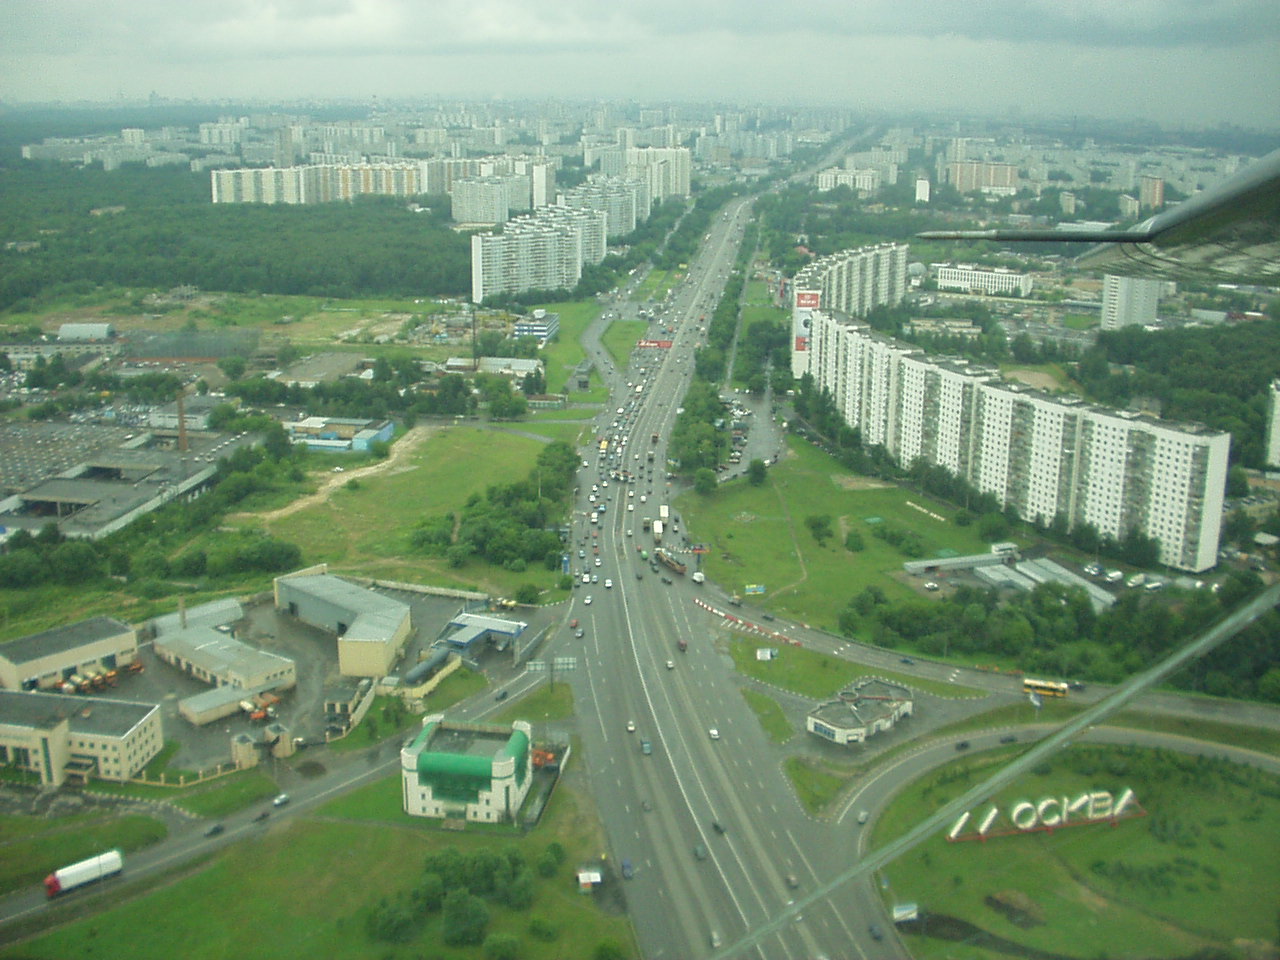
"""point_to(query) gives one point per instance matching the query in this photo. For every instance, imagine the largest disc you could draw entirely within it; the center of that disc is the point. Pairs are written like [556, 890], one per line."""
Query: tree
[233, 367]
[756, 473]
[465, 919]
[527, 593]
[819, 525]
[704, 481]
[854, 543]
[501, 946]
[1237, 482]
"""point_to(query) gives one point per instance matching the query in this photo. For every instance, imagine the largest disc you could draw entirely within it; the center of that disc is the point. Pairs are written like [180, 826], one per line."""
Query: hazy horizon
[1170, 61]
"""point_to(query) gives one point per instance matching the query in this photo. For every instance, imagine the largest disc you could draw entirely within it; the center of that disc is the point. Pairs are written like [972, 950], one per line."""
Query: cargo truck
[86, 871]
[664, 513]
[670, 562]
[699, 577]
[657, 531]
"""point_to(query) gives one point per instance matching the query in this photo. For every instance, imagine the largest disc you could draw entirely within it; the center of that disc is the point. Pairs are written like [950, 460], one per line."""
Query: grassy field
[1080, 321]
[34, 847]
[1045, 376]
[657, 283]
[563, 356]
[306, 887]
[365, 531]
[1199, 870]
[758, 535]
[545, 704]
[815, 785]
[620, 339]
[776, 726]
[817, 675]
[386, 716]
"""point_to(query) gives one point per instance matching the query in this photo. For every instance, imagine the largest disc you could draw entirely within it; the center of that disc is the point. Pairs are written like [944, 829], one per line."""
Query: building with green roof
[476, 771]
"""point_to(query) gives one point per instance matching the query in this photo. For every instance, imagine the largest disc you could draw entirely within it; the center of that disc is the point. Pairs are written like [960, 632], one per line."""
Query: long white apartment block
[852, 282]
[625, 203]
[481, 200]
[1045, 455]
[970, 279]
[1273, 425]
[315, 183]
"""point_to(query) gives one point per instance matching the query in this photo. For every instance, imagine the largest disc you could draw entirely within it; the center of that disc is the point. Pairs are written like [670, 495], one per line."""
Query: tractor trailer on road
[85, 872]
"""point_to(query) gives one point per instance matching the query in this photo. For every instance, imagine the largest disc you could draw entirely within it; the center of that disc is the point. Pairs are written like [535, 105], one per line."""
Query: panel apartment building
[1044, 455]
[315, 183]
[852, 282]
[542, 252]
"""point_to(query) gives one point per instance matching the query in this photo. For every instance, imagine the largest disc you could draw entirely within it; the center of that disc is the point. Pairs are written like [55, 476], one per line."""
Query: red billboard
[656, 344]
[802, 343]
[808, 298]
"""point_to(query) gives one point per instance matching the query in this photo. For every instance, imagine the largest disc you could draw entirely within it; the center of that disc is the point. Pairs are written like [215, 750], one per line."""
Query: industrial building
[860, 711]
[339, 434]
[541, 325]
[969, 279]
[48, 660]
[60, 737]
[468, 629]
[372, 629]
[480, 772]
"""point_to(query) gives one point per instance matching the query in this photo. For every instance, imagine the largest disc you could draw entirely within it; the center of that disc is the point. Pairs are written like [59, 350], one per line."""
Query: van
[862, 816]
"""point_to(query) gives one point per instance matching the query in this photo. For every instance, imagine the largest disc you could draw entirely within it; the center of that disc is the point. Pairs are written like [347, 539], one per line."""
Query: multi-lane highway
[715, 837]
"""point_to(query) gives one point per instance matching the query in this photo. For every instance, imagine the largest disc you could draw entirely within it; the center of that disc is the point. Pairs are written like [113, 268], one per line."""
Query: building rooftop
[376, 618]
[212, 614]
[98, 716]
[60, 639]
[218, 654]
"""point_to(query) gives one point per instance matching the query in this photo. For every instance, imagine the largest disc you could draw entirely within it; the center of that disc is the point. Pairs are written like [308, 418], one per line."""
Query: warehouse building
[60, 738]
[372, 629]
[860, 711]
[468, 629]
[480, 772]
[50, 659]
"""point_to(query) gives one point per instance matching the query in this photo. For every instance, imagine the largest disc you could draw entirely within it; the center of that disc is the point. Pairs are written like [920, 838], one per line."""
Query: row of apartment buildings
[1044, 455]
[544, 251]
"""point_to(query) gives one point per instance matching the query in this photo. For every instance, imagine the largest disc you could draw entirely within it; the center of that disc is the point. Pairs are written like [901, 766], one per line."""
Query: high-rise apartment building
[481, 200]
[314, 183]
[1129, 300]
[1046, 456]
[666, 170]
[852, 282]
[624, 202]
[1151, 192]
[1000, 179]
[1273, 425]
[544, 251]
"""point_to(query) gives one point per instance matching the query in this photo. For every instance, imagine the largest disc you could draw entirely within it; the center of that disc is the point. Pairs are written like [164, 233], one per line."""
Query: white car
[671, 664]
[587, 600]
[631, 726]
[586, 578]
[608, 584]
[715, 734]
[598, 562]
[631, 507]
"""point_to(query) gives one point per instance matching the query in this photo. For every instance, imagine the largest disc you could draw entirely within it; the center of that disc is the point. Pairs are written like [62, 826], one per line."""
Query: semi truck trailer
[86, 871]
[670, 562]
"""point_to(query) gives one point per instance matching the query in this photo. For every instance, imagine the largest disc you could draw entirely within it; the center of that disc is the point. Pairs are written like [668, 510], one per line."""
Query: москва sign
[1049, 814]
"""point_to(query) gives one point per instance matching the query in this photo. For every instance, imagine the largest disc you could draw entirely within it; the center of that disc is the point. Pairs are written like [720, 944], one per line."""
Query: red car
[573, 622]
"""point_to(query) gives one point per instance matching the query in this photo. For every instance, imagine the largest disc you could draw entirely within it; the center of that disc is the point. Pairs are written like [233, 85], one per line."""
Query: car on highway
[608, 584]
[631, 726]
[581, 554]
[907, 660]
[699, 851]
[714, 733]
[718, 827]
[875, 931]
[262, 816]
[579, 633]
[586, 578]
[646, 747]
[573, 622]
[502, 694]
[671, 664]
[587, 599]
[595, 578]
[280, 800]
[214, 830]
[931, 585]
[599, 562]
[1009, 738]
[962, 745]
[628, 871]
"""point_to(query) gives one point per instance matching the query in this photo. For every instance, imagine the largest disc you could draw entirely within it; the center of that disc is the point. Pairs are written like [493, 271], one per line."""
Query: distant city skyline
[1170, 61]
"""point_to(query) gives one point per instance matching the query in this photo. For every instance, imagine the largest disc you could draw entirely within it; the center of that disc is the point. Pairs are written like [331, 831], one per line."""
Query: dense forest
[169, 233]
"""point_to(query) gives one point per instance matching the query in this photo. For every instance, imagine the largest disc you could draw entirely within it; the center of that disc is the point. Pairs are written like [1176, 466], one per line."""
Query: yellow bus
[1046, 688]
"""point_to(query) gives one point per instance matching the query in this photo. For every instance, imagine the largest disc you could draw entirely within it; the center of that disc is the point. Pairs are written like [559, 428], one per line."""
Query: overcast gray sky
[1197, 61]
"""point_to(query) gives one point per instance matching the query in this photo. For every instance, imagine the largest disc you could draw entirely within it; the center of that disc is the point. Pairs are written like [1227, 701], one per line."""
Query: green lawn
[758, 535]
[385, 718]
[366, 531]
[563, 356]
[33, 847]
[815, 784]
[1197, 871]
[656, 284]
[305, 887]
[819, 676]
[776, 726]
[1080, 321]
[620, 339]
[544, 704]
